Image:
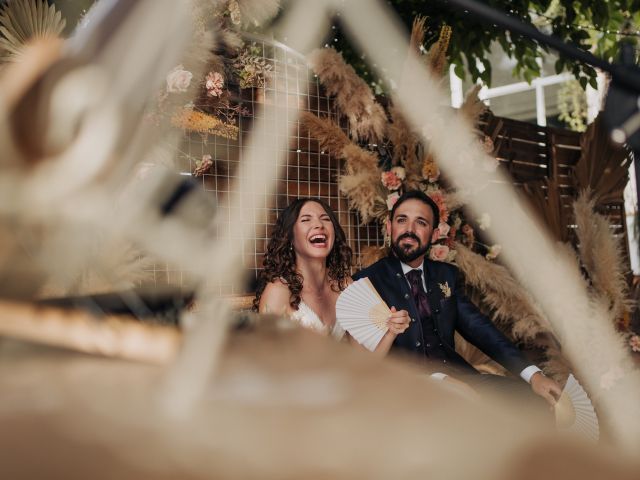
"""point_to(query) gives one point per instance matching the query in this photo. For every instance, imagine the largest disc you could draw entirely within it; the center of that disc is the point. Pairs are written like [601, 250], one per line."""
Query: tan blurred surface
[285, 404]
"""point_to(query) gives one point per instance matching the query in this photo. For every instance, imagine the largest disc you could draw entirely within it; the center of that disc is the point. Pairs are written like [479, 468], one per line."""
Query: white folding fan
[574, 411]
[362, 313]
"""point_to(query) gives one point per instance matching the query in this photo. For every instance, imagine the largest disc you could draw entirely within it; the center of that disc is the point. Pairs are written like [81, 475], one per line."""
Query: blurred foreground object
[294, 403]
[119, 336]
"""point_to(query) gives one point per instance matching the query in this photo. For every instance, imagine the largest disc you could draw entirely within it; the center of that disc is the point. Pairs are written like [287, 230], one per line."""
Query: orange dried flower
[200, 122]
[430, 170]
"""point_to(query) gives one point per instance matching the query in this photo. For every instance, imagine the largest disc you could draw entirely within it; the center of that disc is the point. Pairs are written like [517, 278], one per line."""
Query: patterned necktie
[419, 295]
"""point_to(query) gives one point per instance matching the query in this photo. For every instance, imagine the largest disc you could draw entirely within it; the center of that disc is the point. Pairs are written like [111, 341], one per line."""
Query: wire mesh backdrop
[308, 171]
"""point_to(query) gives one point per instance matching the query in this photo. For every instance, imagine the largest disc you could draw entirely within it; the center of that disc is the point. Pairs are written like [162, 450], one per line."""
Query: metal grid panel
[308, 170]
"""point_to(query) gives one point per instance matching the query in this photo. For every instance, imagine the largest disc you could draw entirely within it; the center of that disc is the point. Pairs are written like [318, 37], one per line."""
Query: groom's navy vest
[432, 339]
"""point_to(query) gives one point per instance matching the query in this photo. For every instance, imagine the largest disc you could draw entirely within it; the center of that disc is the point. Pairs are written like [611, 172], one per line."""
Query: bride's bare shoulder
[275, 298]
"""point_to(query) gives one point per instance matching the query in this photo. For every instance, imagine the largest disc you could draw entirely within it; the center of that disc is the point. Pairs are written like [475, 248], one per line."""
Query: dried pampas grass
[555, 365]
[472, 107]
[438, 52]
[418, 31]
[601, 255]
[436, 58]
[371, 254]
[361, 180]
[329, 135]
[405, 147]
[361, 161]
[254, 13]
[510, 304]
[365, 200]
[367, 119]
[512, 308]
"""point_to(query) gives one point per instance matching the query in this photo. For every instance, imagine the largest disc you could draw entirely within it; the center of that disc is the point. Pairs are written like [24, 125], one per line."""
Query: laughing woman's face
[313, 233]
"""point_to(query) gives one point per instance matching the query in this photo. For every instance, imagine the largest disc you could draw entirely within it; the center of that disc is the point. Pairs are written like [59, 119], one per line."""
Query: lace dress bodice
[310, 319]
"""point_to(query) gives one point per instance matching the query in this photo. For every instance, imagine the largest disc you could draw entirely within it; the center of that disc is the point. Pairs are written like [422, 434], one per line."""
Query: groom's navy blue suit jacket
[451, 311]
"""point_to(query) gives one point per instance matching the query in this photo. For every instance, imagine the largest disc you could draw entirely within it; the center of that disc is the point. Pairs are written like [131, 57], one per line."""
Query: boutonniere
[446, 290]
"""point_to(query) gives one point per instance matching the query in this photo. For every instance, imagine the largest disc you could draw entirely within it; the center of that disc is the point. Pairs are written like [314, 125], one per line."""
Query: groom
[429, 296]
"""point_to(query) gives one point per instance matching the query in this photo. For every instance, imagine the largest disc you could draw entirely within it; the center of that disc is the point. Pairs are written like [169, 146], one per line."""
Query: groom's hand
[398, 321]
[546, 388]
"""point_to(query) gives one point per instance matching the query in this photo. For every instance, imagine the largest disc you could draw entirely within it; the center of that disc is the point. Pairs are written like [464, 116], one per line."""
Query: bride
[306, 266]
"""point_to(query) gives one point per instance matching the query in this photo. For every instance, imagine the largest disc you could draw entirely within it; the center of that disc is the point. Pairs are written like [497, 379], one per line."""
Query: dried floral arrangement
[384, 156]
[601, 175]
[216, 83]
[214, 69]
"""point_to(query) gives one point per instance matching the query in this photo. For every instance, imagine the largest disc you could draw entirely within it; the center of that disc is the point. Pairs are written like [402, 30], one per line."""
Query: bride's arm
[275, 299]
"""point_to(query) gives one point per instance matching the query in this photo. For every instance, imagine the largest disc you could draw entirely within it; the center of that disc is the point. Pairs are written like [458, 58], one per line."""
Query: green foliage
[588, 24]
[572, 103]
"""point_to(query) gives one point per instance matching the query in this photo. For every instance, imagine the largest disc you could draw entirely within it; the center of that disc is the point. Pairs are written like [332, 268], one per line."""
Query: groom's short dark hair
[424, 198]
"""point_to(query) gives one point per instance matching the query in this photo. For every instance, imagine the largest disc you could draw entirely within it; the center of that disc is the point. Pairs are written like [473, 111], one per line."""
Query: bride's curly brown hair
[280, 258]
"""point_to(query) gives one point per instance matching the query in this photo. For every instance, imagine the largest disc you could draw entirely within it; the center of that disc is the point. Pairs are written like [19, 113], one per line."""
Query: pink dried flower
[214, 83]
[391, 181]
[439, 252]
[178, 80]
[392, 198]
[203, 166]
[467, 229]
[441, 232]
[634, 343]
[450, 242]
[438, 197]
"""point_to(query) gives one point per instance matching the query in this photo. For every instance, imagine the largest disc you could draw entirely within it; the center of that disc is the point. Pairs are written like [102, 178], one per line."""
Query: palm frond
[544, 196]
[23, 21]
[602, 167]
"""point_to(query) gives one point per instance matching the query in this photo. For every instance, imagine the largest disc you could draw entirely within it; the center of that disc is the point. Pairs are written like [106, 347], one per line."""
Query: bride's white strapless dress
[310, 319]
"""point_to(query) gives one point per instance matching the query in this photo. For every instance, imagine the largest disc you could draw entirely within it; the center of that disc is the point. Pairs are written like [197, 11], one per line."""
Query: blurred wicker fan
[22, 21]
[362, 313]
[574, 411]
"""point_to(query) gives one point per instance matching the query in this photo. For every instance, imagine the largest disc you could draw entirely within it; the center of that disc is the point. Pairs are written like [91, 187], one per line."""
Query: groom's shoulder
[442, 269]
[372, 270]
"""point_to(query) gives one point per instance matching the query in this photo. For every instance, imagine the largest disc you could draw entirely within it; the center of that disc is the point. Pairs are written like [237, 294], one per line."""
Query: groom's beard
[406, 254]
